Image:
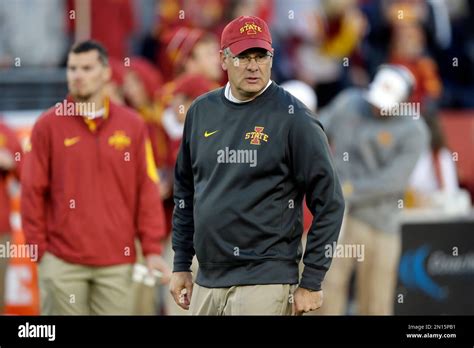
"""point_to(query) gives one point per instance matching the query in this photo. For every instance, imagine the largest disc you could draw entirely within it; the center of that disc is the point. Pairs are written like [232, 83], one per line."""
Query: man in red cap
[250, 152]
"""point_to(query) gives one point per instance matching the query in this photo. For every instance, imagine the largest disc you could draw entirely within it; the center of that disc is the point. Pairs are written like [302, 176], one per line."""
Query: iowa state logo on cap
[250, 28]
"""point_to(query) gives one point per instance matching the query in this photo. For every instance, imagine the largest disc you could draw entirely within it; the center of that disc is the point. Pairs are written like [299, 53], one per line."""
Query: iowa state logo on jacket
[257, 135]
[119, 140]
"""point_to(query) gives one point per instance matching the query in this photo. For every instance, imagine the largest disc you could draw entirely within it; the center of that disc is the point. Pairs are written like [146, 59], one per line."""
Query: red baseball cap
[180, 43]
[246, 32]
[148, 74]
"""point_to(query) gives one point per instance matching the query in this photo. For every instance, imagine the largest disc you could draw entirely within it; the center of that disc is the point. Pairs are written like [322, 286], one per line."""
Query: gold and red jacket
[90, 187]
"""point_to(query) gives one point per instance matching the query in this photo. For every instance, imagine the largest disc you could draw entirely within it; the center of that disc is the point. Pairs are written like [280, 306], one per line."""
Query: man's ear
[108, 73]
[223, 61]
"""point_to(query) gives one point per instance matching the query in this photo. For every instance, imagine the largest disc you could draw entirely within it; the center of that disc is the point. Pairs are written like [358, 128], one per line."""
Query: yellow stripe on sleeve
[150, 162]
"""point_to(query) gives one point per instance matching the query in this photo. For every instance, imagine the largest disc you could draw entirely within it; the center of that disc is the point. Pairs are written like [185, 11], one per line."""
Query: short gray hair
[227, 52]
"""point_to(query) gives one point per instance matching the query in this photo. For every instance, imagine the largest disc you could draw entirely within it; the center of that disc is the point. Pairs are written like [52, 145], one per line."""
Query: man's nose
[75, 74]
[252, 66]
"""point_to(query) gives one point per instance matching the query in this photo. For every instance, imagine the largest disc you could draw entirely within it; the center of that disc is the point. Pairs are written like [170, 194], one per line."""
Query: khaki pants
[272, 299]
[72, 289]
[3, 272]
[376, 275]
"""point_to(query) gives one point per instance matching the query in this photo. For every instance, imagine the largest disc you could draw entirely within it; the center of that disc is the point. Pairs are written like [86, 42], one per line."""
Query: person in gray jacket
[377, 137]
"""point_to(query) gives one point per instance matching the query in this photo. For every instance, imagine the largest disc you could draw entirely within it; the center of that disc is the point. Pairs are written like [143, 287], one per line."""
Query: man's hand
[166, 189]
[305, 300]
[181, 288]
[155, 261]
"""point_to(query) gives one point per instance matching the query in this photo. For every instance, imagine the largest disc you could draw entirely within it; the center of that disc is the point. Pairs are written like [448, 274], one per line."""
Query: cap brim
[243, 45]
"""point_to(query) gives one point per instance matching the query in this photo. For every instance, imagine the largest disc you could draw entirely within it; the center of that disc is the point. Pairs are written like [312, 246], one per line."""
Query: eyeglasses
[260, 59]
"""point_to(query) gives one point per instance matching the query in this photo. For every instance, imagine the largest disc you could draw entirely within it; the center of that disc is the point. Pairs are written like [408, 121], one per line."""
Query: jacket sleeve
[150, 218]
[313, 171]
[183, 219]
[35, 185]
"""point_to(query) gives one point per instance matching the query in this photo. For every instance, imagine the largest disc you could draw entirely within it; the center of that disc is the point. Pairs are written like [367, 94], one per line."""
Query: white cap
[303, 92]
[391, 86]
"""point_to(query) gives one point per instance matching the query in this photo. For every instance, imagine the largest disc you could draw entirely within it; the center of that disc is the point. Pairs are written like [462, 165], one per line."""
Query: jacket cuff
[312, 278]
[182, 262]
[152, 249]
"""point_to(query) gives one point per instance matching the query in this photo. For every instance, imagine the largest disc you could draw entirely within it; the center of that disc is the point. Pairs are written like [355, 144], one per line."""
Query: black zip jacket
[240, 178]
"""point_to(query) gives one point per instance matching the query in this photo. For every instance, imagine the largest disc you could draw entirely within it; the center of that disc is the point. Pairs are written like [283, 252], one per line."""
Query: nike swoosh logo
[206, 134]
[71, 141]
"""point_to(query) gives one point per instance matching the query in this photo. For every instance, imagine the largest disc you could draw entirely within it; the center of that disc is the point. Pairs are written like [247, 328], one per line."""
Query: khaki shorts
[271, 299]
[73, 289]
